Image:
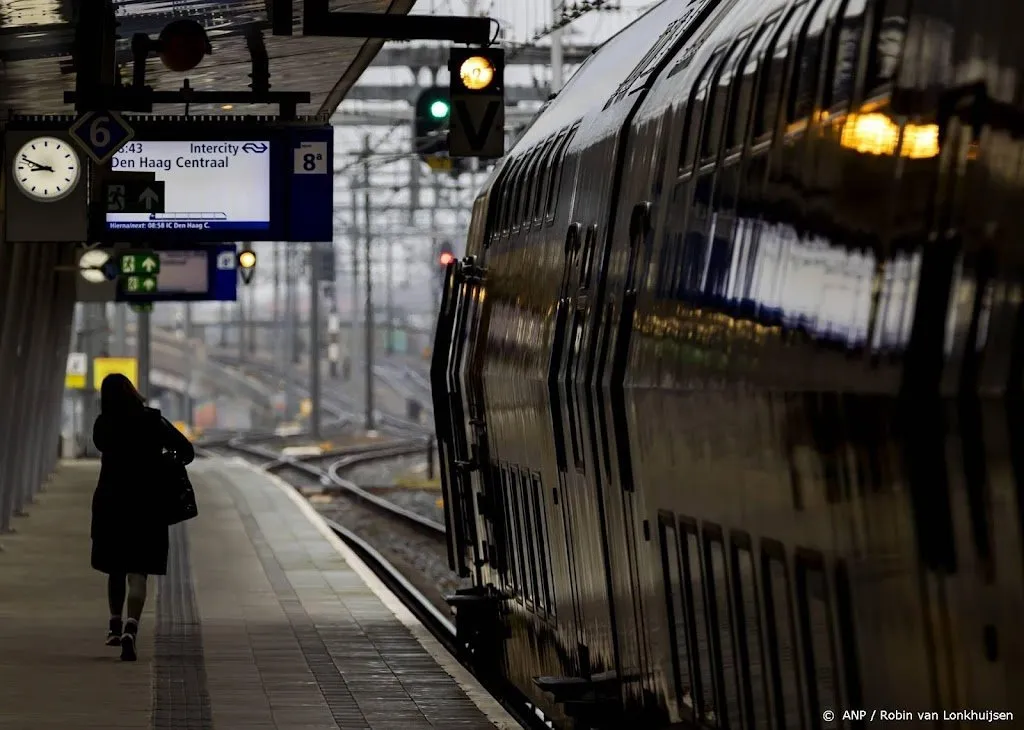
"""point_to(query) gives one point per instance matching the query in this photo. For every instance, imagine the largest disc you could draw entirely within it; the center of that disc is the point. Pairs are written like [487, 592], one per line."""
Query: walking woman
[129, 523]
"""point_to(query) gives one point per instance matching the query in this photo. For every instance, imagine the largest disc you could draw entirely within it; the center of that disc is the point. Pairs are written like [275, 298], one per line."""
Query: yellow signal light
[247, 259]
[476, 73]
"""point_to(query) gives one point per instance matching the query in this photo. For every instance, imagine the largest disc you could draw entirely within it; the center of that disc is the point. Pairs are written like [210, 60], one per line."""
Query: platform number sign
[311, 158]
[101, 134]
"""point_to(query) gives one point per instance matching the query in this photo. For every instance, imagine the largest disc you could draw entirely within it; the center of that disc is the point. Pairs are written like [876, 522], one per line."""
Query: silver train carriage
[728, 384]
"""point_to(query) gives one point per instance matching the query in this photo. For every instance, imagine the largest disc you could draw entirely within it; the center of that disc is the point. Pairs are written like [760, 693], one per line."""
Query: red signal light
[447, 257]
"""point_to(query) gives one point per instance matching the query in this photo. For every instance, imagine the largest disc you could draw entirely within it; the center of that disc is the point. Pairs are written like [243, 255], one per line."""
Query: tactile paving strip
[181, 698]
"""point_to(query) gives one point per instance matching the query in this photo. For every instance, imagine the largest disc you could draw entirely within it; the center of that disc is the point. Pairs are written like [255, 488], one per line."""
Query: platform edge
[490, 707]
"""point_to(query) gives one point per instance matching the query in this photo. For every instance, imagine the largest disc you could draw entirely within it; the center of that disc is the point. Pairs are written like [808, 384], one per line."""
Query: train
[728, 383]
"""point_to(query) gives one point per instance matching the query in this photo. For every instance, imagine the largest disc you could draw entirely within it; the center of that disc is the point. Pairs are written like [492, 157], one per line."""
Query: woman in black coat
[129, 522]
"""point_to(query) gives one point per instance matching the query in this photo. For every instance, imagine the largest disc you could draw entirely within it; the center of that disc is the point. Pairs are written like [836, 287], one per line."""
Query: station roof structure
[36, 38]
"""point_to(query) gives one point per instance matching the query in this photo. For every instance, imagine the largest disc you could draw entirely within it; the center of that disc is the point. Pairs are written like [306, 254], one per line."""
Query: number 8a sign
[311, 159]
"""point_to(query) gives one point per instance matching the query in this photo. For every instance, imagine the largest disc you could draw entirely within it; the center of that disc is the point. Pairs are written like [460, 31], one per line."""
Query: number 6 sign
[311, 158]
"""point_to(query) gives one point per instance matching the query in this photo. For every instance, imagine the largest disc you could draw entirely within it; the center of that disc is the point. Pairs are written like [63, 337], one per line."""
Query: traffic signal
[433, 111]
[247, 264]
[445, 254]
[477, 99]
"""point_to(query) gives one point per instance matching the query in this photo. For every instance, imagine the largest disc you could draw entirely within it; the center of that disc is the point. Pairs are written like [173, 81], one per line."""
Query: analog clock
[46, 169]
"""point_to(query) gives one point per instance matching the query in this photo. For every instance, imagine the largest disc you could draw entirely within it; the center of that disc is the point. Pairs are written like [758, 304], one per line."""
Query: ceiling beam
[407, 93]
[437, 56]
[514, 116]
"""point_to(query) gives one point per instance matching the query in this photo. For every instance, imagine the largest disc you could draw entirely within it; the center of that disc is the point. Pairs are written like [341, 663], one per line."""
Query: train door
[458, 312]
[567, 447]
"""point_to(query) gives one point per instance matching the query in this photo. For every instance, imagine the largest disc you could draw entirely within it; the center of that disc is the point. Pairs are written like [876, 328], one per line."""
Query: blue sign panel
[312, 182]
[237, 181]
[186, 275]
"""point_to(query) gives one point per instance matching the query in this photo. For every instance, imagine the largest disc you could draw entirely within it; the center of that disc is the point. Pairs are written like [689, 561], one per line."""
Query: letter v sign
[477, 127]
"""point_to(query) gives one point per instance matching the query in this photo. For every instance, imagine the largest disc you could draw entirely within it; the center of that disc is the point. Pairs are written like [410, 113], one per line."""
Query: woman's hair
[117, 394]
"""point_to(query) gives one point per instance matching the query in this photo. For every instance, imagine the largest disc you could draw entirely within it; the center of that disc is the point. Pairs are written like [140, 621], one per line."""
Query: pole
[186, 401]
[120, 329]
[142, 328]
[350, 349]
[389, 307]
[557, 78]
[294, 277]
[369, 286]
[314, 341]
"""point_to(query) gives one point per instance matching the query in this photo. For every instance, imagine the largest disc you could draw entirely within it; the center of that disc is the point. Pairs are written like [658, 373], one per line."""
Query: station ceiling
[36, 38]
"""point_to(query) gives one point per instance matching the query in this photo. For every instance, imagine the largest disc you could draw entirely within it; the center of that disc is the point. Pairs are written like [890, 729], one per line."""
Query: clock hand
[36, 165]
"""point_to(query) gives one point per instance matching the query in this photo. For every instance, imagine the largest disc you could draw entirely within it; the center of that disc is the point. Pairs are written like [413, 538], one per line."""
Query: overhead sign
[179, 275]
[135, 196]
[222, 180]
[101, 134]
[203, 186]
[78, 368]
[104, 366]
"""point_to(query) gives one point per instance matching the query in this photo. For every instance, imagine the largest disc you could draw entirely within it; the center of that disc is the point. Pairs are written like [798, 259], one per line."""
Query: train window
[519, 514]
[678, 623]
[503, 562]
[700, 647]
[695, 112]
[815, 611]
[508, 193]
[842, 67]
[748, 635]
[847, 636]
[773, 78]
[533, 174]
[530, 536]
[497, 201]
[807, 68]
[718, 101]
[744, 90]
[717, 593]
[512, 530]
[545, 597]
[543, 173]
[781, 637]
[587, 261]
[888, 37]
[521, 191]
[555, 178]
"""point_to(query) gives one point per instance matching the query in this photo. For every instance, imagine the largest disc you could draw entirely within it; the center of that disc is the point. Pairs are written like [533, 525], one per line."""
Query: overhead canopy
[36, 39]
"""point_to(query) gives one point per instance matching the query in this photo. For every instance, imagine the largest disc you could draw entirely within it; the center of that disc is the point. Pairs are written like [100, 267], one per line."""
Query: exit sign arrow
[149, 198]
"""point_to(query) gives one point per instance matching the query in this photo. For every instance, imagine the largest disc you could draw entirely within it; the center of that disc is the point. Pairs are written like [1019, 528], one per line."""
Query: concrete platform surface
[265, 620]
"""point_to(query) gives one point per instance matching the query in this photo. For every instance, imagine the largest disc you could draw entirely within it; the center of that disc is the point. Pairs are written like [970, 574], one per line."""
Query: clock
[46, 169]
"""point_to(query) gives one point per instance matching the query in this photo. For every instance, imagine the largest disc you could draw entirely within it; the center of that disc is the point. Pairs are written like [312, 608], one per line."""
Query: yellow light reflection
[476, 73]
[247, 259]
[876, 134]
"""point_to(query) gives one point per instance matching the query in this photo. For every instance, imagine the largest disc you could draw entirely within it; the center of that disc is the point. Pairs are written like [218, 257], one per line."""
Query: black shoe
[114, 632]
[128, 647]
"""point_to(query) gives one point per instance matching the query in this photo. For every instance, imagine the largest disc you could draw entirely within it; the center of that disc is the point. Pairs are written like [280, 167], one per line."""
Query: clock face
[46, 169]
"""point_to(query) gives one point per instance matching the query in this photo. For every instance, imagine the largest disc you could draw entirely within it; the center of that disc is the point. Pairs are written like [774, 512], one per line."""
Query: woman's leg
[115, 600]
[115, 594]
[136, 596]
[136, 602]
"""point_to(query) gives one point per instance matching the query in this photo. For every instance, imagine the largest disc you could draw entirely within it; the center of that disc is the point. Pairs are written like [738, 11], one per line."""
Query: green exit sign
[140, 284]
[144, 263]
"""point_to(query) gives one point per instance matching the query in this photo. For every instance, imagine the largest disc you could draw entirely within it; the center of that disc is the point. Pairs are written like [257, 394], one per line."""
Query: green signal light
[439, 109]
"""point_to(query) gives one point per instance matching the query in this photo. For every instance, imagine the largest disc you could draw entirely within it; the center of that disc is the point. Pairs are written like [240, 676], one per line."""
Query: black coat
[129, 525]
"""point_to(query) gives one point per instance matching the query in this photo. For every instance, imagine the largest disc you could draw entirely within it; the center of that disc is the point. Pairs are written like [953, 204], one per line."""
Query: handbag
[179, 498]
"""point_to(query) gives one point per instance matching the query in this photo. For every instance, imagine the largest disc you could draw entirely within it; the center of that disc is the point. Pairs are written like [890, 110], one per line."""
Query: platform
[265, 620]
